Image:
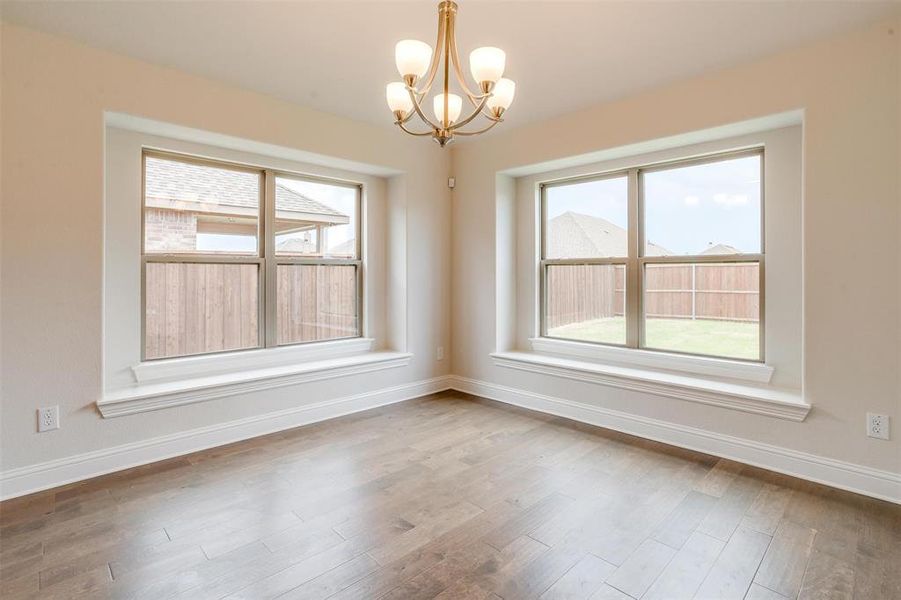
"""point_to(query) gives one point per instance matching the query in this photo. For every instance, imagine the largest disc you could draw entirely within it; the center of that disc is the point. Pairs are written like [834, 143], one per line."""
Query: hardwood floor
[449, 497]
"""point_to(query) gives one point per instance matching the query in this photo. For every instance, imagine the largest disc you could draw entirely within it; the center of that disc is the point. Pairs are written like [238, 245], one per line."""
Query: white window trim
[266, 258]
[636, 260]
[655, 359]
[167, 394]
[131, 385]
[782, 366]
[768, 401]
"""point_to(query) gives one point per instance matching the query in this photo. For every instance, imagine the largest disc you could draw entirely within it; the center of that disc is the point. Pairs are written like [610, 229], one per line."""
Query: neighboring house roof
[297, 245]
[301, 246]
[169, 180]
[721, 249]
[290, 200]
[345, 248]
[574, 235]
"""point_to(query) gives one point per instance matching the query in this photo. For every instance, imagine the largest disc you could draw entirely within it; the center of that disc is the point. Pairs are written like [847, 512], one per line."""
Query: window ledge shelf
[772, 402]
[655, 360]
[185, 367]
[145, 397]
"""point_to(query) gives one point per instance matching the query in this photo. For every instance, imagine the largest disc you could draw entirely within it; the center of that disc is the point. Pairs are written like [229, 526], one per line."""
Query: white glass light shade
[398, 97]
[454, 106]
[487, 64]
[412, 57]
[502, 94]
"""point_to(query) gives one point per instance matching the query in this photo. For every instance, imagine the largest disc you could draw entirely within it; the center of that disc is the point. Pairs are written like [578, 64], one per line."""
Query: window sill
[654, 360]
[185, 367]
[772, 402]
[156, 395]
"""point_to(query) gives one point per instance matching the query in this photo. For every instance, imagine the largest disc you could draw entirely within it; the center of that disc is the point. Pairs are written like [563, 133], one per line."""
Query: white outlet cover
[878, 426]
[48, 418]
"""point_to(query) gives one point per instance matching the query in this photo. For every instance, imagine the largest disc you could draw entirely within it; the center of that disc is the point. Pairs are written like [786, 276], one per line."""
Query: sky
[687, 209]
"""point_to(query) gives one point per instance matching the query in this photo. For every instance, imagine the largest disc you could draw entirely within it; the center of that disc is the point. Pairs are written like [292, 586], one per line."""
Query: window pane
[193, 308]
[317, 302]
[586, 302]
[711, 208]
[703, 308]
[587, 219]
[315, 219]
[191, 208]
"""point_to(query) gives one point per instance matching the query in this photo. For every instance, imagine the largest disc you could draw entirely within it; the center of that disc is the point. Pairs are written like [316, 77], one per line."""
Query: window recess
[236, 257]
[666, 257]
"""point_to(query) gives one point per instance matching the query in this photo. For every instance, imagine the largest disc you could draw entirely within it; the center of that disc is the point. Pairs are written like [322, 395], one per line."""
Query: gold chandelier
[416, 63]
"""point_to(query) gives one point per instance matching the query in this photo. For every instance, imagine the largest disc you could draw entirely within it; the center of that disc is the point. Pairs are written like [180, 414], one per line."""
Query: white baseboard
[884, 485]
[34, 478]
[855, 478]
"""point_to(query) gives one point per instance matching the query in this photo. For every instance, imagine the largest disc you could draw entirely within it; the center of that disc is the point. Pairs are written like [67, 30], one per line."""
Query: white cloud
[692, 200]
[730, 200]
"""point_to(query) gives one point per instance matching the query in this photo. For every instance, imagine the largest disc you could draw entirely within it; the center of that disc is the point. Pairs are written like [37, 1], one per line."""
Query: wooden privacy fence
[577, 293]
[316, 302]
[721, 291]
[193, 308]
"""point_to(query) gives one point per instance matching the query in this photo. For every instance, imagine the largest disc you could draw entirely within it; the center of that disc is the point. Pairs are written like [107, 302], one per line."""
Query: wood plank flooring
[449, 497]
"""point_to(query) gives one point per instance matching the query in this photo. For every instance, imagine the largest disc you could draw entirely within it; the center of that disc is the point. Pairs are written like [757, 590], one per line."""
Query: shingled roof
[574, 235]
[170, 180]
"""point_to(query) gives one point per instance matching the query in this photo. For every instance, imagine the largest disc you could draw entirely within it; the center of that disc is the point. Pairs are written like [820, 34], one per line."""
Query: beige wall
[849, 90]
[54, 93]
[54, 96]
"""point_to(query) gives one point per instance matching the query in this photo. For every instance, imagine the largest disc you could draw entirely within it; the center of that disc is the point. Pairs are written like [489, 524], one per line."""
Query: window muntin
[703, 308]
[195, 207]
[317, 302]
[314, 218]
[197, 308]
[711, 207]
[576, 293]
[597, 206]
[318, 271]
[212, 266]
[703, 296]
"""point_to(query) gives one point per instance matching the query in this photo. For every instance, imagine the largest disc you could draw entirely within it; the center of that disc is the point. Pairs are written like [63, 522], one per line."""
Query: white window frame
[782, 140]
[132, 385]
[636, 261]
[266, 259]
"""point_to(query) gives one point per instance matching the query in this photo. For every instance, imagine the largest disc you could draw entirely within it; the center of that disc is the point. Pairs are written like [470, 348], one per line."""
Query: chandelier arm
[458, 71]
[419, 133]
[474, 114]
[436, 57]
[418, 109]
[486, 112]
[407, 117]
[483, 130]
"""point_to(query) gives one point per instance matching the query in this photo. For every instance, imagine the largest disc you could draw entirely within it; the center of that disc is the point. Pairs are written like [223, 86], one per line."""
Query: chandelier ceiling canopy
[419, 66]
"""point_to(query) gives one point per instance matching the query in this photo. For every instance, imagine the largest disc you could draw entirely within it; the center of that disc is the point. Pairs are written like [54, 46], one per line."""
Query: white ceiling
[337, 56]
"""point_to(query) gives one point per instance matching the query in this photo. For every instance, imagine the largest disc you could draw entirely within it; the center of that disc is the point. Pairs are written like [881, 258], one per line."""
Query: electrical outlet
[48, 418]
[878, 426]
[439, 353]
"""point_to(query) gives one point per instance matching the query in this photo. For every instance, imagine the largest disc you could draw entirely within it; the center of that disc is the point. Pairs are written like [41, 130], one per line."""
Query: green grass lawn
[701, 336]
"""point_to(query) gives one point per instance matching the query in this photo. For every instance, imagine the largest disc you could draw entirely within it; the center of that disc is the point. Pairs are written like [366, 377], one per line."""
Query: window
[236, 257]
[663, 257]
